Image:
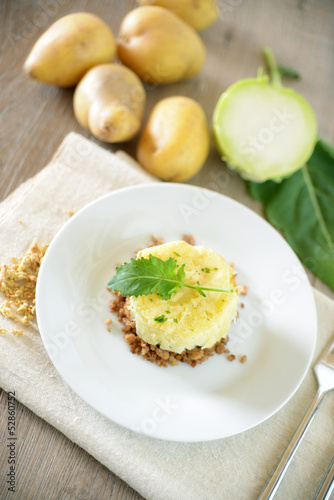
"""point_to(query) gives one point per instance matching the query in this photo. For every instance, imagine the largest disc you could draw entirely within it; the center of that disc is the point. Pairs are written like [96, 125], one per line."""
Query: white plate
[276, 328]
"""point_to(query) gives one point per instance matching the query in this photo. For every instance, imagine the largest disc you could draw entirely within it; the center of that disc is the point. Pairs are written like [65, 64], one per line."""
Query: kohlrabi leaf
[302, 206]
[145, 276]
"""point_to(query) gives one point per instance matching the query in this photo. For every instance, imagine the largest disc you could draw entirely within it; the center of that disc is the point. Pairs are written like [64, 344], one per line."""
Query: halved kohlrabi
[263, 130]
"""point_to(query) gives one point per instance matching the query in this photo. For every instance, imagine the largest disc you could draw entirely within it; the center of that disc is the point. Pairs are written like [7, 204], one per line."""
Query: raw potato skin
[159, 47]
[175, 142]
[109, 102]
[200, 14]
[69, 48]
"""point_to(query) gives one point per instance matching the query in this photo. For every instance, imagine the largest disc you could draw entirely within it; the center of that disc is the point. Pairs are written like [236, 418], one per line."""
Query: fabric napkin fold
[232, 468]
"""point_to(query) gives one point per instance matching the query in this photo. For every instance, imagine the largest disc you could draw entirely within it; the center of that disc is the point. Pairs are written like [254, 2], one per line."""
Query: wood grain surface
[34, 118]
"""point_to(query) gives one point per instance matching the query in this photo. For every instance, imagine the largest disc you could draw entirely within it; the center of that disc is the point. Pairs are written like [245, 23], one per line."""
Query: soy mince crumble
[153, 353]
[18, 285]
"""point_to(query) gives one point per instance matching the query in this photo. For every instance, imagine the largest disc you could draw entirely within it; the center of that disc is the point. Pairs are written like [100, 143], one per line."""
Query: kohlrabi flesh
[263, 130]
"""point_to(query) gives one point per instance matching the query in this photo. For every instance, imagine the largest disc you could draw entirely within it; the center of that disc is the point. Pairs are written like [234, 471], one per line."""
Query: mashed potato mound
[189, 319]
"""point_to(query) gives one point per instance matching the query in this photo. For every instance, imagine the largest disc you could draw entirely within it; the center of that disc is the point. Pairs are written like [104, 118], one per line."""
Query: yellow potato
[175, 142]
[69, 48]
[159, 46]
[109, 102]
[200, 14]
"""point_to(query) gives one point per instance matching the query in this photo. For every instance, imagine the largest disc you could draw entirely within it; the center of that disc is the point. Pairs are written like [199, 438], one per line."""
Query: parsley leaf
[145, 276]
[160, 319]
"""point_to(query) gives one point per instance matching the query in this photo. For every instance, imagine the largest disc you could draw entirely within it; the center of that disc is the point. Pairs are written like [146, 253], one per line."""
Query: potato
[69, 48]
[199, 14]
[175, 142]
[159, 46]
[109, 102]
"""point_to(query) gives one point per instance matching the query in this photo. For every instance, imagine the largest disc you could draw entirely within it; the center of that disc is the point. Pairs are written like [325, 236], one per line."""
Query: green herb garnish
[175, 320]
[145, 276]
[160, 319]
[177, 254]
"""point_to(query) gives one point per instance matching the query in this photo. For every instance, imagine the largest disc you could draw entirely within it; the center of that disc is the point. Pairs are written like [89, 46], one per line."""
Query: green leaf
[160, 319]
[289, 72]
[302, 206]
[145, 276]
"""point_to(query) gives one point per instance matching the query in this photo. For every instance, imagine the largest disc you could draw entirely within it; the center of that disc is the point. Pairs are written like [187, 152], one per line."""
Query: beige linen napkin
[231, 468]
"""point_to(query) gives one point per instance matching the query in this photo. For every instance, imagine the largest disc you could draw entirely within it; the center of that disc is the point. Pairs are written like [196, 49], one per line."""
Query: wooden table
[35, 118]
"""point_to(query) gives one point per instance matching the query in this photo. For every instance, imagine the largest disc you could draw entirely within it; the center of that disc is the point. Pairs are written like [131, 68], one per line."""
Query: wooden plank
[49, 466]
